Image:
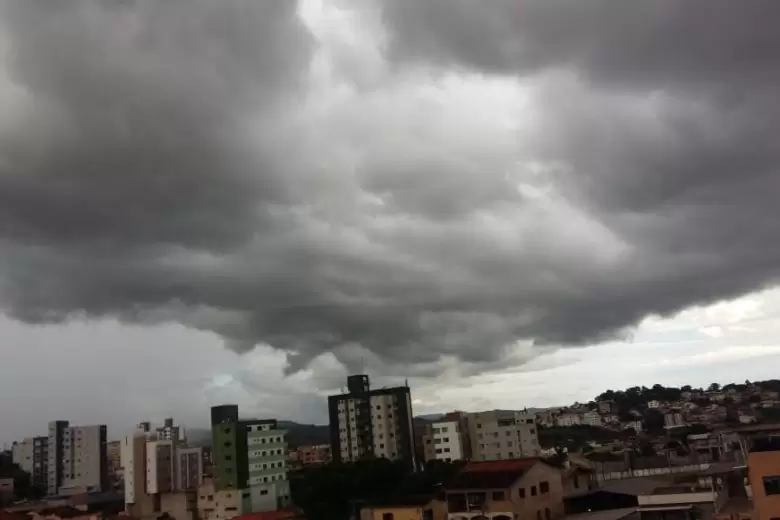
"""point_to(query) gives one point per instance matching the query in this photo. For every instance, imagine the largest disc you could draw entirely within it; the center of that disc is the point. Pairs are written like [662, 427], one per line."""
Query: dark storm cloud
[657, 42]
[158, 165]
[132, 128]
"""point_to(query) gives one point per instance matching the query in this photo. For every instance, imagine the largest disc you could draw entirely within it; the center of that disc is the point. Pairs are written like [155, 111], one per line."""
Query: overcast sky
[510, 203]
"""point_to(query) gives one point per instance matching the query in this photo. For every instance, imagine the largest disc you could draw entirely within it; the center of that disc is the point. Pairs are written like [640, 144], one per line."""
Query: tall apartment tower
[367, 423]
[77, 459]
[55, 442]
[503, 435]
[250, 456]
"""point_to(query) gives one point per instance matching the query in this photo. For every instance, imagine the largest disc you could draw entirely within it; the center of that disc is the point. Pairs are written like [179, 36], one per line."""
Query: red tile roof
[501, 465]
[491, 474]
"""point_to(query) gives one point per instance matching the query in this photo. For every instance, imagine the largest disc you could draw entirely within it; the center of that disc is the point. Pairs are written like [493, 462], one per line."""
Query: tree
[653, 421]
[714, 387]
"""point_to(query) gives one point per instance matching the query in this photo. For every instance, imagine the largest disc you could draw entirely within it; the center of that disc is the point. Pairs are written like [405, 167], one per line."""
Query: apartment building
[171, 432]
[447, 439]
[159, 475]
[250, 459]
[55, 454]
[77, 460]
[88, 458]
[367, 423]
[159, 466]
[313, 454]
[502, 435]
[114, 461]
[568, 419]
[188, 468]
[32, 455]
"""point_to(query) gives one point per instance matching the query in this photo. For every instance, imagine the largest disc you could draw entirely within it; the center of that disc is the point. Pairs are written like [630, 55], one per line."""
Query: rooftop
[493, 474]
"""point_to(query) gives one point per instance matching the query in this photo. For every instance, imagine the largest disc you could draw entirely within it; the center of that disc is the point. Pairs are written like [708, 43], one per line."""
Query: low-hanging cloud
[443, 188]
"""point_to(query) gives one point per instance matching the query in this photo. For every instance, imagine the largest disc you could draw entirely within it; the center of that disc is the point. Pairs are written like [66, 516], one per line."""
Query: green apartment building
[250, 456]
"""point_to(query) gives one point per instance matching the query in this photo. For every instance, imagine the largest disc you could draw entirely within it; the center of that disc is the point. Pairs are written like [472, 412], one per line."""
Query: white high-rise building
[77, 460]
[447, 439]
[368, 423]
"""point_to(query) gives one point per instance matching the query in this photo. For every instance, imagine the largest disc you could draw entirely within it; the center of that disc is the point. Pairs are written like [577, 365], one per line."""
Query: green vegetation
[575, 438]
[330, 492]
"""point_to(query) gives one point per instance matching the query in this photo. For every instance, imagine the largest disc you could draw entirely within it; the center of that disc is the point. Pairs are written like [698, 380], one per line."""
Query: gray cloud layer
[182, 161]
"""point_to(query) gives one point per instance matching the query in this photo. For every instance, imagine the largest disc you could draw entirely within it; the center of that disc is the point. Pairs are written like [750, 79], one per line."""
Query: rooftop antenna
[406, 382]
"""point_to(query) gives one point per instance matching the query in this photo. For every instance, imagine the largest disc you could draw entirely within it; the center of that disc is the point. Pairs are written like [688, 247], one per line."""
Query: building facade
[55, 442]
[171, 432]
[448, 439]
[77, 460]
[763, 463]
[502, 435]
[313, 454]
[188, 467]
[367, 423]
[250, 459]
[497, 490]
[32, 455]
[160, 475]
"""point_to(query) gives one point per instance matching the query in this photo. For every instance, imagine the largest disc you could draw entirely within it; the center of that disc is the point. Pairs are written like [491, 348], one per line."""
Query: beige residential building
[502, 435]
[214, 504]
[447, 439]
[525, 489]
[160, 476]
[80, 462]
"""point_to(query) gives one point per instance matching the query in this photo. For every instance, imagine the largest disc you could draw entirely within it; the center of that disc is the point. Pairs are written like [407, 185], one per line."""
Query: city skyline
[251, 201]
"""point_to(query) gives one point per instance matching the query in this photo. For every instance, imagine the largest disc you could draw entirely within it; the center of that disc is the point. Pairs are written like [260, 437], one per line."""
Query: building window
[521, 492]
[544, 487]
[772, 485]
[498, 495]
[547, 513]
[539, 515]
[576, 482]
[263, 491]
[387, 516]
[533, 492]
[228, 457]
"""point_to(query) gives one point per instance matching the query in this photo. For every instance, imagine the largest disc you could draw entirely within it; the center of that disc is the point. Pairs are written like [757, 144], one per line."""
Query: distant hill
[301, 434]
[297, 434]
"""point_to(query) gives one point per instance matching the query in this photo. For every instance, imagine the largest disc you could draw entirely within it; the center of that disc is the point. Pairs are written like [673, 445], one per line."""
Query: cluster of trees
[576, 438]
[330, 492]
[639, 396]
[22, 482]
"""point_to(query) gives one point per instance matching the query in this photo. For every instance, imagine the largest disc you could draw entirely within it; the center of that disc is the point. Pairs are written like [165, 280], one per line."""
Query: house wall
[527, 505]
[398, 513]
[761, 465]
